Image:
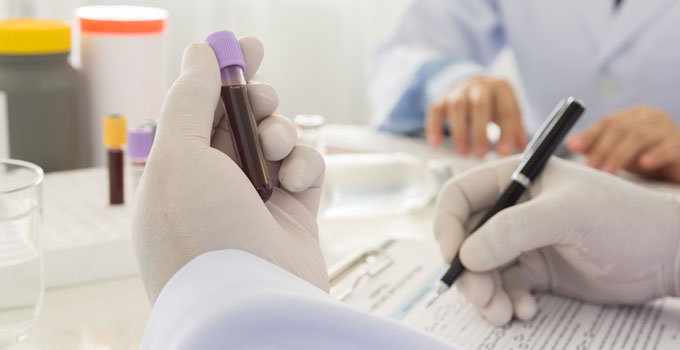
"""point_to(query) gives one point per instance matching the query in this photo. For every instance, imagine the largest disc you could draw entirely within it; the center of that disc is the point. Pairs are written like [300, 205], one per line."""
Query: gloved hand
[193, 198]
[577, 232]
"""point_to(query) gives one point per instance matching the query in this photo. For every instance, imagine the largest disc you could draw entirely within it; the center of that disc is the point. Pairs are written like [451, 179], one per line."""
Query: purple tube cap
[227, 49]
[140, 141]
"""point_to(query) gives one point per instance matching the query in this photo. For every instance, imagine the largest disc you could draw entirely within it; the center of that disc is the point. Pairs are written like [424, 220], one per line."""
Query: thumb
[511, 232]
[188, 111]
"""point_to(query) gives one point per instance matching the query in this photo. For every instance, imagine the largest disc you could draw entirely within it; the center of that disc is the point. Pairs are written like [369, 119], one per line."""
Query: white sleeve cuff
[232, 299]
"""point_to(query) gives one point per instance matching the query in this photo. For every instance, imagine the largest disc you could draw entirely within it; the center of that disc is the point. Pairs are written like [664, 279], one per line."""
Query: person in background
[619, 56]
[225, 270]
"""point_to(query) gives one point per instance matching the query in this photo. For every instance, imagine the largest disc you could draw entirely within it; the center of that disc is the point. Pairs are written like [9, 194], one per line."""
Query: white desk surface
[103, 315]
[112, 314]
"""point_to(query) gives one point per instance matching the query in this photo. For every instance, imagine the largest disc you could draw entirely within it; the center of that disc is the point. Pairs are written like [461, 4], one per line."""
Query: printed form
[401, 291]
[560, 323]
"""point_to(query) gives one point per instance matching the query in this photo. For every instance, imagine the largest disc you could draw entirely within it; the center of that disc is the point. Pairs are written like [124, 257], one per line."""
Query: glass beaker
[309, 131]
[21, 269]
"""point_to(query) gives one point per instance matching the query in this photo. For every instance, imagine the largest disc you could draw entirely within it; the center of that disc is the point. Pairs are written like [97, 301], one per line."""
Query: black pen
[537, 153]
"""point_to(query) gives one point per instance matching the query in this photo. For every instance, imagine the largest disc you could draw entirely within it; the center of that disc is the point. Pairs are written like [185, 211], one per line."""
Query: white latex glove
[193, 198]
[576, 232]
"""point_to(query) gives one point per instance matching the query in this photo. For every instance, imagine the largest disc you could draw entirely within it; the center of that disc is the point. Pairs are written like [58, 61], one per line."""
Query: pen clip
[547, 138]
[542, 131]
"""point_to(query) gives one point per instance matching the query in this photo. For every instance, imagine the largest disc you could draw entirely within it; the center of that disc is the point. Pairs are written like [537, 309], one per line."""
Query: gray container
[45, 110]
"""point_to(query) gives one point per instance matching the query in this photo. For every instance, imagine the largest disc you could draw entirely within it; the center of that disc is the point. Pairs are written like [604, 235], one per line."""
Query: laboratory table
[112, 314]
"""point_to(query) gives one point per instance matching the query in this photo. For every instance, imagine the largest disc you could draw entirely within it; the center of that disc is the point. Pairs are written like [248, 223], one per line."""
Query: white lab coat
[229, 299]
[610, 59]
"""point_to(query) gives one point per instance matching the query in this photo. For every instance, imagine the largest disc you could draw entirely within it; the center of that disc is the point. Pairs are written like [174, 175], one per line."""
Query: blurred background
[318, 52]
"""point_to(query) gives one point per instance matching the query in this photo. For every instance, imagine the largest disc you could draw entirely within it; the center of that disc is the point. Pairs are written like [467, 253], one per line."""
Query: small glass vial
[140, 140]
[309, 131]
[114, 139]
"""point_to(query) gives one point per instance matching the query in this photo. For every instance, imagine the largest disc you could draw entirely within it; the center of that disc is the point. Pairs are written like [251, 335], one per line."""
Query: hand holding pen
[537, 154]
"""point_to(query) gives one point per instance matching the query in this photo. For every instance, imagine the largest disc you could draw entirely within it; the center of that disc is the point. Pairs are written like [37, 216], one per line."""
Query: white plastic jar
[123, 62]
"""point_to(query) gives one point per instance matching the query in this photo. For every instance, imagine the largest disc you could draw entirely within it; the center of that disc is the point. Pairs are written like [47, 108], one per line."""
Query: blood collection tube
[114, 133]
[139, 142]
[239, 115]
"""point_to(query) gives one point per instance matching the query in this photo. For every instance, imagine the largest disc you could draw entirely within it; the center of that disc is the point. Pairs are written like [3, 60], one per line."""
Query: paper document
[561, 323]
[401, 290]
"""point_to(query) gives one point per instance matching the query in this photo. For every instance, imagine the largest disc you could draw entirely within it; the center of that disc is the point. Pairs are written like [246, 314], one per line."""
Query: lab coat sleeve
[230, 299]
[438, 43]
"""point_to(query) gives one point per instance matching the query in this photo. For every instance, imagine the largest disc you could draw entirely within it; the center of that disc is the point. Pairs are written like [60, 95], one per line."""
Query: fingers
[499, 295]
[582, 142]
[277, 137]
[625, 152]
[609, 143]
[518, 288]
[480, 111]
[508, 141]
[302, 174]
[485, 291]
[253, 52]
[602, 146]
[457, 116]
[188, 110]
[477, 288]
[302, 169]
[499, 309]
[659, 155]
[263, 100]
[529, 274]
[513, 231]
[509, 120]
[522, 139]
[434, 119]
[469, 108]
[625, 140]
[465, 195]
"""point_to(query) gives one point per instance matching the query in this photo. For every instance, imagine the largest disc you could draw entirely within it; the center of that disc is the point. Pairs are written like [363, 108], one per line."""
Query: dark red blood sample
[115, 157]
[244, 132]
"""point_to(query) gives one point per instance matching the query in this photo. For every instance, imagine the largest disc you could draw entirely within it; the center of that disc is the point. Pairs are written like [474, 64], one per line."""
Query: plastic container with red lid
[122, 56]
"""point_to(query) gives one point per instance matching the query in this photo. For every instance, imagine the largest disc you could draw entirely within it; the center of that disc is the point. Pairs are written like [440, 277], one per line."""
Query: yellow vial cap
[114, 131]
[30, 36]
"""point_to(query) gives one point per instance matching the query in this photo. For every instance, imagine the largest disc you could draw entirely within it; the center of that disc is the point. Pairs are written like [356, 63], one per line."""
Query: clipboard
[384, 279]
[395, 278]
[358, 266]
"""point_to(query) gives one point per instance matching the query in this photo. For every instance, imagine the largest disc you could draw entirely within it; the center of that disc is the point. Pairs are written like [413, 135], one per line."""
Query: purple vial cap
[139, 141]
[227, 50]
